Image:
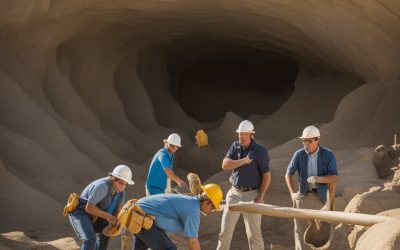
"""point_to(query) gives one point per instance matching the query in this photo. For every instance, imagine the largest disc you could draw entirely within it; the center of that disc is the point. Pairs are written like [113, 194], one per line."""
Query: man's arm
[326, 179]
[175, 178]
[290, 183]
[331, 180]
[193, 243]
[332, 190]
[266, 180]
[119, 207]
[229, 164]
[94, 210]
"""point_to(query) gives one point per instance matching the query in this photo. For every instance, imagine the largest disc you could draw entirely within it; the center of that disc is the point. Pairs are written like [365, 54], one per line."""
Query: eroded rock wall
[86, 85]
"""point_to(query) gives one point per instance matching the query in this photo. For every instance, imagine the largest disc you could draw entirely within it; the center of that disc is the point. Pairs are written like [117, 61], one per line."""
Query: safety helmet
[310, 132]
[173, 139]
[214, 192]
[245, 126]
[124, 173]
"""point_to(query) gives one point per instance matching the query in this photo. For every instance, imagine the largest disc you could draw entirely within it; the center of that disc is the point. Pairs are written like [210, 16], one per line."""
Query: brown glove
[194, 183]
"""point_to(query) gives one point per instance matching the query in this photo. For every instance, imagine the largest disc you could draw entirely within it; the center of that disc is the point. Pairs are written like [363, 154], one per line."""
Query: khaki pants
[252, 222]
[311, 201]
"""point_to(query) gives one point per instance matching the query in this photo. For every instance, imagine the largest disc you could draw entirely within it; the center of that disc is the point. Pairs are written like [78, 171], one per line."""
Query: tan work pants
[311, 201]
[252, 222]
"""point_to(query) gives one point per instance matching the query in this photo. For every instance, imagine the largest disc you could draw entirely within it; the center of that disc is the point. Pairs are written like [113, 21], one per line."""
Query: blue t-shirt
[174, 212]
[249, 175]
[156, 176]
[99, 193]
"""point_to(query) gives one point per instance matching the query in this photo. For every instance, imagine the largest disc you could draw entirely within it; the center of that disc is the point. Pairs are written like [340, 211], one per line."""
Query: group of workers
[101, 201]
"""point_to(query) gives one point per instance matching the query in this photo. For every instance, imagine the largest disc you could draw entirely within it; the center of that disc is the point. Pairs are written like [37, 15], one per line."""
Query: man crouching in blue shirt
[317, 171]
[175, 213]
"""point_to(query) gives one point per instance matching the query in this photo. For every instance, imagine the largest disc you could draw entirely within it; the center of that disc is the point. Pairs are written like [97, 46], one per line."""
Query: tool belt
[72, 203]
[75, 202]
[131, 217]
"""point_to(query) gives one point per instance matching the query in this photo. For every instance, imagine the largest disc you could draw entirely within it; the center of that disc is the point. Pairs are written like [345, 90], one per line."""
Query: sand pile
[85, 86]
[18, 240]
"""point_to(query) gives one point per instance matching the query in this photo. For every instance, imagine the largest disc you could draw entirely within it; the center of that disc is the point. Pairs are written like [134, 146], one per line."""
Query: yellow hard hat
[214, 192]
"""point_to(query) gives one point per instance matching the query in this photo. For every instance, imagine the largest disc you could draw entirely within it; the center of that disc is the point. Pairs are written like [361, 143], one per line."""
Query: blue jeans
[154, 238]
[90, 234]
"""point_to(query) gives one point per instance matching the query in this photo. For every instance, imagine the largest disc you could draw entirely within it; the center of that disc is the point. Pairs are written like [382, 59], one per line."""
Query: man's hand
[311, 179]
[247, 160]
[181, 183]
[112, 220]
[259, 200]
[296, 196]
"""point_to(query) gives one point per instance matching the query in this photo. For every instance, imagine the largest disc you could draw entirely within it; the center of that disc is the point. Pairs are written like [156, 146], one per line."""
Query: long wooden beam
[309, 214]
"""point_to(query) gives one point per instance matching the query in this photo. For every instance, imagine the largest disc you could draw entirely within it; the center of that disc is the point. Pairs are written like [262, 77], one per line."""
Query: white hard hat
[173, 139]
[310, 132]
[245, 126]
[124, 173]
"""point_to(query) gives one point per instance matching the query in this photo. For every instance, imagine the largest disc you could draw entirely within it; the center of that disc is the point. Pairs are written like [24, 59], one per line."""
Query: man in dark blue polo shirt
[250, 178]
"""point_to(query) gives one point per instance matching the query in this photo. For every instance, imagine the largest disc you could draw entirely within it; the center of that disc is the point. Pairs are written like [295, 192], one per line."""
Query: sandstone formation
[86, 85]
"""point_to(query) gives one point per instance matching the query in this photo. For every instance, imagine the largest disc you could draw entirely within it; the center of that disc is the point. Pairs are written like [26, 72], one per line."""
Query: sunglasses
[121, 182]
[309, 140]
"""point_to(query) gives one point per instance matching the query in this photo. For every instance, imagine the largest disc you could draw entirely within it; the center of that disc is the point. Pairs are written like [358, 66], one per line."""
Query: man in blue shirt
[176, 213]
[250, 178]
[100, 202]
[317, 171]
[161, 167]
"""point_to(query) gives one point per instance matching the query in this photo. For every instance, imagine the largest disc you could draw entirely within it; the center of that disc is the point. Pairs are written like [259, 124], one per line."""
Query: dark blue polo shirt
[249, 175]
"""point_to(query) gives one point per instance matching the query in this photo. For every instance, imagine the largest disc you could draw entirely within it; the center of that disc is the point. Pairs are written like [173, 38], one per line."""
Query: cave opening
[209, 78]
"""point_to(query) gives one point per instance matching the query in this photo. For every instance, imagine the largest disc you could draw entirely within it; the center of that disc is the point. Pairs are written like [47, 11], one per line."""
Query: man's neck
[247, 145]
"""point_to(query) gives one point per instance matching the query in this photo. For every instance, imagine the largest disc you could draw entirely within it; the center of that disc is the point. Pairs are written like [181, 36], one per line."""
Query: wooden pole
[309, 214]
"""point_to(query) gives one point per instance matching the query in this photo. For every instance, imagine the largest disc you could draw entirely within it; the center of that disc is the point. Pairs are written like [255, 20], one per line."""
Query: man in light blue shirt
[312, 169]
[317, 170]
[161, 167]
[176, 213]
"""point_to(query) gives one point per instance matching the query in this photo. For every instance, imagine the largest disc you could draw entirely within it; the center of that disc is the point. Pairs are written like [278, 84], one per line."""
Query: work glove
[327, 208]
[311, 179]
[324, 208]
[297, 196]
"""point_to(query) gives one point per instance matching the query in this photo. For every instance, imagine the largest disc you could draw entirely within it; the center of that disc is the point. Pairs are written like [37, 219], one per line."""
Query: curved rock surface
[86, 85]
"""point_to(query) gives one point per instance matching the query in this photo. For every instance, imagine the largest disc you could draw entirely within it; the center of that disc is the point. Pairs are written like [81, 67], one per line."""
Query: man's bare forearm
[266, 181]
[326, 179]
[193, 244]
[290, 183]
[229, 164]
[172, 175]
